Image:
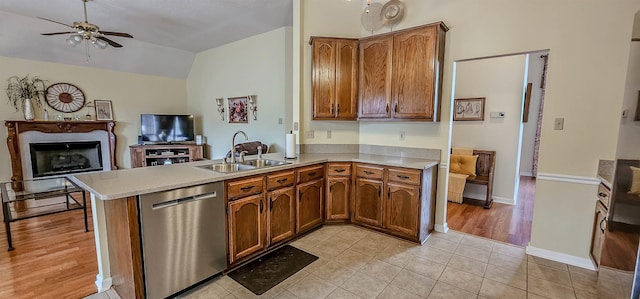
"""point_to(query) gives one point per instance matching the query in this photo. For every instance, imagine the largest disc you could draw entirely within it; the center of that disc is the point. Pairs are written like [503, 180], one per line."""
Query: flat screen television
[166, 128]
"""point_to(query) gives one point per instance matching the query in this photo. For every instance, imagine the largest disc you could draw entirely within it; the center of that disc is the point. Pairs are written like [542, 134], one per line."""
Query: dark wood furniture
[374, 73]
[334, 81]
[17, 127]
[484, 175]
[161, 154]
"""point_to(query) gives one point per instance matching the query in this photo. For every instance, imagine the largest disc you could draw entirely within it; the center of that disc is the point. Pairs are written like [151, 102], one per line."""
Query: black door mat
[266, 272]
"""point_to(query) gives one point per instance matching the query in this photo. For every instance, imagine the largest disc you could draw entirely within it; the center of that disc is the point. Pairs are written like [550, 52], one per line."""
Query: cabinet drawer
[342, 169]
[604, 194]
[370, 172]
[280, 179]
[244, 187]
[408, 176]
[310, 173]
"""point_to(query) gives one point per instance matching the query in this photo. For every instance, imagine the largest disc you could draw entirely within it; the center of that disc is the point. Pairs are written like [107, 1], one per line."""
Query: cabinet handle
[602, 221]
[387, 107]
[311, 173]
[395, 109]
[338, 110]
[601, 194]
[379, 192]
[330, 187]
[261, 206]
[341, 170]
[281, 181]
[404, 177]
[332, 109]
[247, 188]
[270, 204]
[389, 194]
[368, 172]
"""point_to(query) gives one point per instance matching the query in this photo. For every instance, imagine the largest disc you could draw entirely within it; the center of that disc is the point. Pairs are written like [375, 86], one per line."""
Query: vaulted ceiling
[167, 33]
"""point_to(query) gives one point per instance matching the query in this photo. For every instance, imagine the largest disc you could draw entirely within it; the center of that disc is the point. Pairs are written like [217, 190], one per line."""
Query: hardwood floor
[53, 258]
[505, 223]
[620, 250]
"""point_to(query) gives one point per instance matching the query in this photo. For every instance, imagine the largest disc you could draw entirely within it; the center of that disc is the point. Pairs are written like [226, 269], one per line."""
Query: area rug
[266, 272]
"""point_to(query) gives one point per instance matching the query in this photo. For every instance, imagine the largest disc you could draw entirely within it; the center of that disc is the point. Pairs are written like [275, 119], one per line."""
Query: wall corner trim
[444, 165]
[568, 178]
[103, 284]
[441, 228]
[561, 257]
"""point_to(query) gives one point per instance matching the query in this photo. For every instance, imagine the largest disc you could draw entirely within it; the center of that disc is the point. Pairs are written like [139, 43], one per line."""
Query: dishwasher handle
[184, 200]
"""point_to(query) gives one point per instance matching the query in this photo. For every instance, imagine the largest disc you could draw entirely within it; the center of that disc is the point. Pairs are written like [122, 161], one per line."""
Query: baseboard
[503, 200]
[568, 178]
[526, 173]
[482, 197]
[103, 284]
[441, 228]
[561, 257]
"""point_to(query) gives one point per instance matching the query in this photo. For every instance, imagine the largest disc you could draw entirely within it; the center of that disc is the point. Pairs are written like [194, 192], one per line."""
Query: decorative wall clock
[65, 97]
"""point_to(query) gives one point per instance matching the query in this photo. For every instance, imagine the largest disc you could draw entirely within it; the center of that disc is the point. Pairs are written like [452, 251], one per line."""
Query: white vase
[29, 114]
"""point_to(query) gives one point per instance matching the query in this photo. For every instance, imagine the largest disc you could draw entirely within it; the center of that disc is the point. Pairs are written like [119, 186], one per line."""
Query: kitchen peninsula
[394, 195]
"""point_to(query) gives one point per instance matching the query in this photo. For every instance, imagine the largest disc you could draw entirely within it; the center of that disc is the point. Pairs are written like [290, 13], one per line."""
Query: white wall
[536, 69]
[500, 81]
[131, 95]
[257, 65]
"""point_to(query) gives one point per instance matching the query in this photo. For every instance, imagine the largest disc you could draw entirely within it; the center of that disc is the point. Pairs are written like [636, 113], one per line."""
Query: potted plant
[22, 91]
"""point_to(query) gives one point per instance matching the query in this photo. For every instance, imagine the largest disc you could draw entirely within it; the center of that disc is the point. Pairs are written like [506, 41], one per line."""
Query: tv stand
[162, 154]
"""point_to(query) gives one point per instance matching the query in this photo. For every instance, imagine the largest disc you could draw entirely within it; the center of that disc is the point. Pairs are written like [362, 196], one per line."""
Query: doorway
[510, 128]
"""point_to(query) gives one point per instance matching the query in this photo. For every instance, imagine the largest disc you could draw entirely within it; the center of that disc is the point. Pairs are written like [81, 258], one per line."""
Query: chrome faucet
[233, 145]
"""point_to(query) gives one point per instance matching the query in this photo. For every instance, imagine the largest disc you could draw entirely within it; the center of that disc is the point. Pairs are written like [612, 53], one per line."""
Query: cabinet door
[338, 190]
[323, 77]
[414, 59]
[368, 202]
[374, 86]
[401, 209]
[599, 228]
[310, 208]
[281, 214]
[346, 79]
[137, 157]
[247, 233]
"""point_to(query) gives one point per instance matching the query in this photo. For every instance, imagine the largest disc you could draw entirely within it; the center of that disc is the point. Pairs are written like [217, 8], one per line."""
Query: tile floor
[359, 263]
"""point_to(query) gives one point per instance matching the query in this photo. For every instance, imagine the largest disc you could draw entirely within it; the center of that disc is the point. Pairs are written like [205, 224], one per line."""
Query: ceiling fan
[90, 33]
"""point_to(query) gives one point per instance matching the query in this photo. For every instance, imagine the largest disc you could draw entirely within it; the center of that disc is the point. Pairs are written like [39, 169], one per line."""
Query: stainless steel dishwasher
[183, 240]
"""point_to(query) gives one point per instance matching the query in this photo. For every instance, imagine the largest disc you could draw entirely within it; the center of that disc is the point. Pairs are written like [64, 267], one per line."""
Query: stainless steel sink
[228, 167]
[264, 163]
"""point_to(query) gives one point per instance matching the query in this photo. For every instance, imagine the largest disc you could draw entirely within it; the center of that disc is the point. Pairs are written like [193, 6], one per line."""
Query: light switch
[559, 123]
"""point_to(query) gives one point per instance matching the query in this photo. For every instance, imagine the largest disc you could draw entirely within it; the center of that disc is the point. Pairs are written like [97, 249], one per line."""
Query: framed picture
[238, 110]
[104, 111]
[468, 109]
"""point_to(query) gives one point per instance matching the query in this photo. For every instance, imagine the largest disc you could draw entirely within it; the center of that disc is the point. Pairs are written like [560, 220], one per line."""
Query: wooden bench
[484, 175]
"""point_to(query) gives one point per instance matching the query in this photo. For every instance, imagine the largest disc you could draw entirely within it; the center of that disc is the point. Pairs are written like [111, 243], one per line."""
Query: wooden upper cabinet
[334, 78]
[414, 73]
[374, 58]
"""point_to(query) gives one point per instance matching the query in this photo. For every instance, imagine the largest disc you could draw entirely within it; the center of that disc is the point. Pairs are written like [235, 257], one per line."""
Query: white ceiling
[167, 33]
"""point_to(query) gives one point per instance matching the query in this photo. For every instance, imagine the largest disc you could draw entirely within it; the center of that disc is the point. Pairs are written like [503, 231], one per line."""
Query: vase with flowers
[23, 92]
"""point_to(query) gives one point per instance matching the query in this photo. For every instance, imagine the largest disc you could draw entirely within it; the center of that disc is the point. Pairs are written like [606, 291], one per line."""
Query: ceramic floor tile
[229, 284]
[477, 242]
[311, 287]
[395, 256]
[495, 290]
[506, 276]
[286, 295]
[549, 289]
[246, 294]
[446, 291]
[461, 279]
[509, 250]
[467, 265]
[442, 244]
[425, 267]
[351, 258]
[507, 262]
[583, 271]
[450, 235]
[548, 273]
[334, 273]
[341, 293]
[101, 295]
[340, 239]
[364, 285]
[474, 253]
[328, 249]
[295, 278]
[209, 290]
[352, 232]
[391, 292]
[535, 296]
[380, 270]
[596, 286]
[320, 262]
[432, 254]
[548, 263]
[368, 246]
[415, 283]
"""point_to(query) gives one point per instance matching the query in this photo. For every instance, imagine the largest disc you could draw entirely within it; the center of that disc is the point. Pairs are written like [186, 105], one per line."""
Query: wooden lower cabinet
[247, 223]
[401, 208]
[338, 192]
[368, 202]
[281, 217]
[599, 230]
[310, 206]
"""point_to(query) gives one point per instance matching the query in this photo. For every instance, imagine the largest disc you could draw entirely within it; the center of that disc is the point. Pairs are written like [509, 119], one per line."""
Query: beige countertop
[130, 182]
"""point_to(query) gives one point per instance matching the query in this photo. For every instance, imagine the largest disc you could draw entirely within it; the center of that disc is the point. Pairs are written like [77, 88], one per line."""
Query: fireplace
[49, 159]
[50, 148]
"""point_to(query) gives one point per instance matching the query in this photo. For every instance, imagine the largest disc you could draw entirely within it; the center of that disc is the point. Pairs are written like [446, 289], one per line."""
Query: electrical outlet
[401, 135]
[559, 123]
[310, 134]
[328, 134]
[295, 126]
[280, 120]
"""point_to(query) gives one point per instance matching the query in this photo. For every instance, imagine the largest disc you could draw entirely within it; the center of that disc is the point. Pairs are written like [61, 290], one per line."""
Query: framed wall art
[238, 110]
[468, 109]
[104, 111]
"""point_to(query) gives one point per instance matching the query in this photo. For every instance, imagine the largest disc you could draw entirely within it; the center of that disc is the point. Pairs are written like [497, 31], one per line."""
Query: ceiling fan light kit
[90, 33]
[376, 15]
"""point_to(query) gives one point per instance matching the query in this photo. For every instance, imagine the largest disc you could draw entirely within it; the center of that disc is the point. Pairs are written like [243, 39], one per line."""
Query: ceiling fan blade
[56, 33]
[110, 42]
[121, 34]
[63, 24]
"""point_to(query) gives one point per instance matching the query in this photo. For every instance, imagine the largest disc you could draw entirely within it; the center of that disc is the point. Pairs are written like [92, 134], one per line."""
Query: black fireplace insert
[56, 158]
